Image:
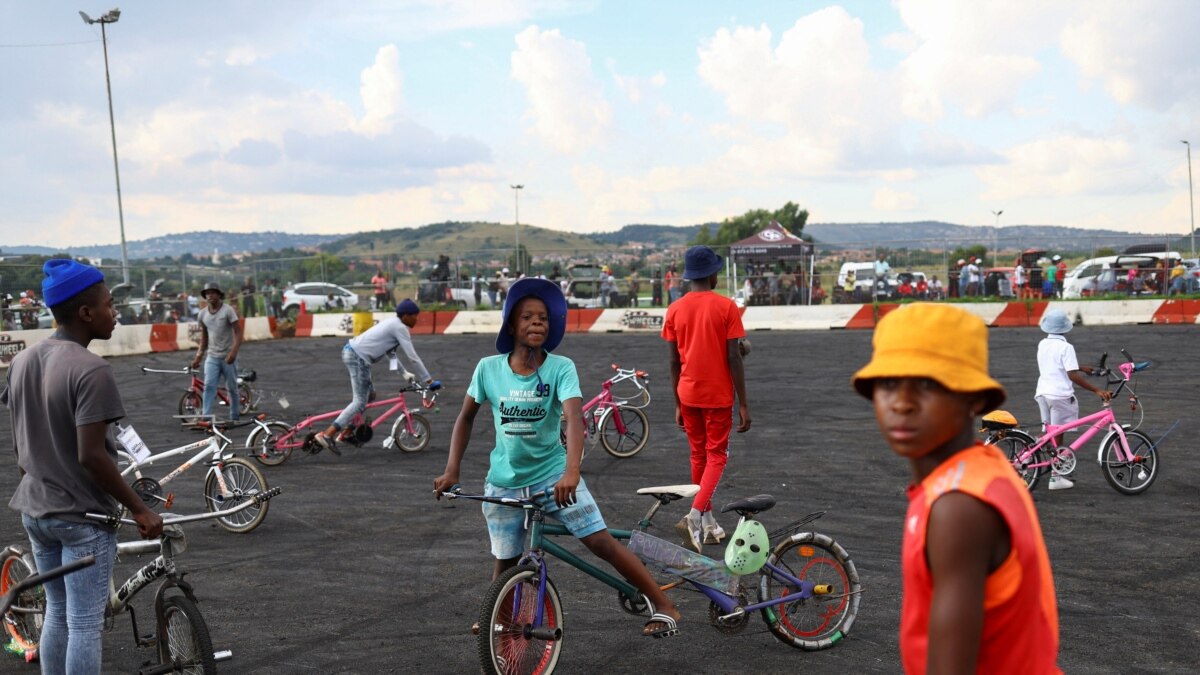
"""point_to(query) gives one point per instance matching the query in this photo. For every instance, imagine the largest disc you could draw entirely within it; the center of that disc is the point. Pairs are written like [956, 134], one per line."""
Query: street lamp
[1191, 202]
[996, 239]
[111, 17]
[517, 224]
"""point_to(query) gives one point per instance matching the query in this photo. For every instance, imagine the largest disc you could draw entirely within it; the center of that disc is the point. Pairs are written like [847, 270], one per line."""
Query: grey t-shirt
[54, 387]
[220, 329]
[386, 336]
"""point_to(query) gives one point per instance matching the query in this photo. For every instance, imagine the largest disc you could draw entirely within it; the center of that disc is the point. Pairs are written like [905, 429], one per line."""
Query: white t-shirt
[1019, 275]
[1056, 358]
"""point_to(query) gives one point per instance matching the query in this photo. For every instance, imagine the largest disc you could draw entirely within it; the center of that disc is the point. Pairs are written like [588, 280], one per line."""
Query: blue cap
[407, 306]
[66, 279]
[701, 262]
[556, 306]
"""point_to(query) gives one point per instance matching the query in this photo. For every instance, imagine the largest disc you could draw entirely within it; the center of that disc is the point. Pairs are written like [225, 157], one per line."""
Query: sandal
[669, 628]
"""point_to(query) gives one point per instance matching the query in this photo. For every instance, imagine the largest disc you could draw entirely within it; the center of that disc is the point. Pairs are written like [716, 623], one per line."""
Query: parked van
[1095, 276]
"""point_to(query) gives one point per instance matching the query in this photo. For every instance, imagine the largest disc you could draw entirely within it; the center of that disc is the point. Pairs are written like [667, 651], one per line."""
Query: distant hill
[456, 238]
[935, 234]
[661, 236]
[200, 244]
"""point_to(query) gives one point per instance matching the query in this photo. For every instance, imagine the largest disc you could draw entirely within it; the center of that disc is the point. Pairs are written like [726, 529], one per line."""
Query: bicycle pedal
[170, 501]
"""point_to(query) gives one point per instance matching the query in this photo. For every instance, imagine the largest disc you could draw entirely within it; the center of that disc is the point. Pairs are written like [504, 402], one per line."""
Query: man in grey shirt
[389, 337]
[62, 399]
[221, 338]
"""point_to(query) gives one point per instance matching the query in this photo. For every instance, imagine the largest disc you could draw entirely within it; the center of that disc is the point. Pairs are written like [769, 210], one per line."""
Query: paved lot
[358, 569]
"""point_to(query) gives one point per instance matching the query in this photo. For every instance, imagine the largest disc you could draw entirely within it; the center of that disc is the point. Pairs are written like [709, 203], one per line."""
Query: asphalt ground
[358, 569]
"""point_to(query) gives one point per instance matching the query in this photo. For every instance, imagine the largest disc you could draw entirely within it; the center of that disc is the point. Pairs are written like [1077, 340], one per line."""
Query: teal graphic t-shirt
[526, 410]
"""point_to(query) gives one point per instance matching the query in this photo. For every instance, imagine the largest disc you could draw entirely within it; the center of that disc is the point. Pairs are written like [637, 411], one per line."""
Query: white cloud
[1144, 52]
[1066, 166]
[888, 199]
[566, 102]
[382, 92]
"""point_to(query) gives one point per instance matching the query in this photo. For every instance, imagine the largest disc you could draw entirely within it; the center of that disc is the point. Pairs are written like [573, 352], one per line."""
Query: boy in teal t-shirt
[529, 389]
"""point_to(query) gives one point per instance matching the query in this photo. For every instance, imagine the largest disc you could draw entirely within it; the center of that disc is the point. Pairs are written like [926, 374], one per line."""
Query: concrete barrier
[143, 339]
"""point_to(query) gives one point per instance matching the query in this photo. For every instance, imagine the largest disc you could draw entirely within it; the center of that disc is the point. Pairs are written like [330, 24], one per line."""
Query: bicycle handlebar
[34, 580]
[186, 370]
[455, 492]
[171, 519]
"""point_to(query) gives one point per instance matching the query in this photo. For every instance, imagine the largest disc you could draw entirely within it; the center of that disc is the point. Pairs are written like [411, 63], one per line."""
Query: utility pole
[517, 226]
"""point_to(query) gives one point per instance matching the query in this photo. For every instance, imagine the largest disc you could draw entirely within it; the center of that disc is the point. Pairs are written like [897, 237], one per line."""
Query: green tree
[321, 267]
[731, 230]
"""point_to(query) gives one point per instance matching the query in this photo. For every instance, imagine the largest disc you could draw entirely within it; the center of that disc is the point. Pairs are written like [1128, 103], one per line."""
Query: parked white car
[316, 296]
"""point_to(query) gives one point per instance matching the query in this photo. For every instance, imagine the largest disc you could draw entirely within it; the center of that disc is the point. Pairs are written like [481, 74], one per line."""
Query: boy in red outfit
[703, 329]
[978, 591]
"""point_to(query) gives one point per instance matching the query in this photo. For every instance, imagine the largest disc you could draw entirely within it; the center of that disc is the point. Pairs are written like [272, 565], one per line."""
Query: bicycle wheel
[820, 621]
[1135, 476]
[417, 439]
[244, 480]
[264, 443]
[1013, 444]
[506, 640]
[190, 407]
[184, 640]
[630, 443]
[245, 399]
[23, 622]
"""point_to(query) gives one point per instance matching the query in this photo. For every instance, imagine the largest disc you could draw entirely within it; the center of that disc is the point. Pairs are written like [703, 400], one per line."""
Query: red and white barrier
[147, 338]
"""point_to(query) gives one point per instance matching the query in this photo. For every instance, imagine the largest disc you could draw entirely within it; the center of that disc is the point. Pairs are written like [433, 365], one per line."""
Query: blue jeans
[360, 386]
[72, 633]
[214, 370]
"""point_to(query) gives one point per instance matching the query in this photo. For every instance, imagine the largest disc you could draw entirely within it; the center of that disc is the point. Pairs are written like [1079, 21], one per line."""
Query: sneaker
[1060, 483]
[689, 532]
[713, 534]
[327, 443]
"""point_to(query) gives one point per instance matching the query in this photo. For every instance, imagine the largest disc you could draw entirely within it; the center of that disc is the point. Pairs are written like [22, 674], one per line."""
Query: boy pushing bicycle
[529, 388]
[978, 591]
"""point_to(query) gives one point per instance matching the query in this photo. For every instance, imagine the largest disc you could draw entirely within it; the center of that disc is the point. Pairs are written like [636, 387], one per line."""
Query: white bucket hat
[1055, 322]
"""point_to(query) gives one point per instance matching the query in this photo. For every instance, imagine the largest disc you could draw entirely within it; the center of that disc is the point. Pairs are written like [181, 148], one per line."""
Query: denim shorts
[507, 526]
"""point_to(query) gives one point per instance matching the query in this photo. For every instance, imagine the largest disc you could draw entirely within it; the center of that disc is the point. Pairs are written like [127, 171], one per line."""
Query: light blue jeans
[215, 369]
[72, 633]
[360, 386]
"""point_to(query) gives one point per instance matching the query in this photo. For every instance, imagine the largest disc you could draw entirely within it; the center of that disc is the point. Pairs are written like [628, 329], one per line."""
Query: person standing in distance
[703, 330]
[220, 339]
[63, 400]
[390, 337]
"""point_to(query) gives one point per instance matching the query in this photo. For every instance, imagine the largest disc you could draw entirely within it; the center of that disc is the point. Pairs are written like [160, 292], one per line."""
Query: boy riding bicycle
[529, 389]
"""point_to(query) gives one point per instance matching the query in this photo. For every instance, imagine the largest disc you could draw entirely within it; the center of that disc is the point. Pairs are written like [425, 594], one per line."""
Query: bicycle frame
[602, 405]
[197, 384]
[394, 405]
[211, 447]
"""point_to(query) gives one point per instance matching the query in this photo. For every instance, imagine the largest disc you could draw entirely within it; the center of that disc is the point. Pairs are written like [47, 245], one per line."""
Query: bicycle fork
[536, 630]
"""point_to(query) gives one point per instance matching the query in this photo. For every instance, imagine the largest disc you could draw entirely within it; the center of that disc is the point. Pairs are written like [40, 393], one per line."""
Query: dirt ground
[358, 569]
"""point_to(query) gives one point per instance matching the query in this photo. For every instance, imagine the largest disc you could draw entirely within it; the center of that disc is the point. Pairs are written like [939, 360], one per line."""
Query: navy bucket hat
[701, 262]
[556, 306]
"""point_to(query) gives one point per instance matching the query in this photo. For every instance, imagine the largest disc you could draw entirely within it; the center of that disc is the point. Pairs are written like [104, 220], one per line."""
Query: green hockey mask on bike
[748, 548]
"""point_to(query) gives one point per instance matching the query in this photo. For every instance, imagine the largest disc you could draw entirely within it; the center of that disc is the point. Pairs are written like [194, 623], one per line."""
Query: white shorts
[1058, 411]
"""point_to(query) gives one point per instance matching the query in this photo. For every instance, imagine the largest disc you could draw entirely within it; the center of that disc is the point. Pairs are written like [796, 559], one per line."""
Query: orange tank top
[1020, 621]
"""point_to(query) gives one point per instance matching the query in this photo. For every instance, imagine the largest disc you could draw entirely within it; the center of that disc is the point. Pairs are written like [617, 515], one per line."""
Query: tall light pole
[111, 17]
[996, 239]
[517, 224]
[1191, 202]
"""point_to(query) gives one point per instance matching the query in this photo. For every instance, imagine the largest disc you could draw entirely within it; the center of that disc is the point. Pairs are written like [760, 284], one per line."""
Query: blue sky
[313, 116]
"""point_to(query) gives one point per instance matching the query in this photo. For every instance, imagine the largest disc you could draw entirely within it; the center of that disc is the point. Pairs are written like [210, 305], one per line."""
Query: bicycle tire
[190, 407]
[1013, 443]
[23, 627]
[184, 639]
[245, 399]
[1121, 474]
[504, 647]
[244, 481]
[263, 443]
[821, 621]
[411, 442]
[637, 432]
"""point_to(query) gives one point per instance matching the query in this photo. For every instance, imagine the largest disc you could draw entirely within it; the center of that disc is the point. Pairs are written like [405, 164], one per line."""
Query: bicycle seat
[750, 505]
[669, 493]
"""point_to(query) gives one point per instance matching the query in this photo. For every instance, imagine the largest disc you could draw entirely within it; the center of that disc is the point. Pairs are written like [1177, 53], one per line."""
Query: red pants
[708, 435]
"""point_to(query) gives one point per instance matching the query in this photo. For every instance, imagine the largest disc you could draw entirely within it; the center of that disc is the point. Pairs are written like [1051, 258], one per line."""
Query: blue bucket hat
[701, 262]
[556, 306]
[66, 279]
[1055, 322]
[407, 306]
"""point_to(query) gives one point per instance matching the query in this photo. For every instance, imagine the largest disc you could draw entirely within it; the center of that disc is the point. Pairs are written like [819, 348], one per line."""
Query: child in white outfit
[1058, 372]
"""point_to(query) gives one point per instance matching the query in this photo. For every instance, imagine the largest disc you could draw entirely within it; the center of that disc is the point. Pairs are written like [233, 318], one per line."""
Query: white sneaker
[1060, 483]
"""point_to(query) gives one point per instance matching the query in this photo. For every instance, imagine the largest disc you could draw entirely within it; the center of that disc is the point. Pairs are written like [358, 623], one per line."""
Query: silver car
[317, 296]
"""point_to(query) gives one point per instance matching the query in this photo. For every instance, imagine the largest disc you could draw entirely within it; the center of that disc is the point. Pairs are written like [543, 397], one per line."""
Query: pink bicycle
[1127, 457]
[272, 442]
[619, 424]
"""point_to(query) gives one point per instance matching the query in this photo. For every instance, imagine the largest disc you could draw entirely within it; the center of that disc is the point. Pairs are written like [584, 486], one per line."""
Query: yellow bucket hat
[941, 342]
